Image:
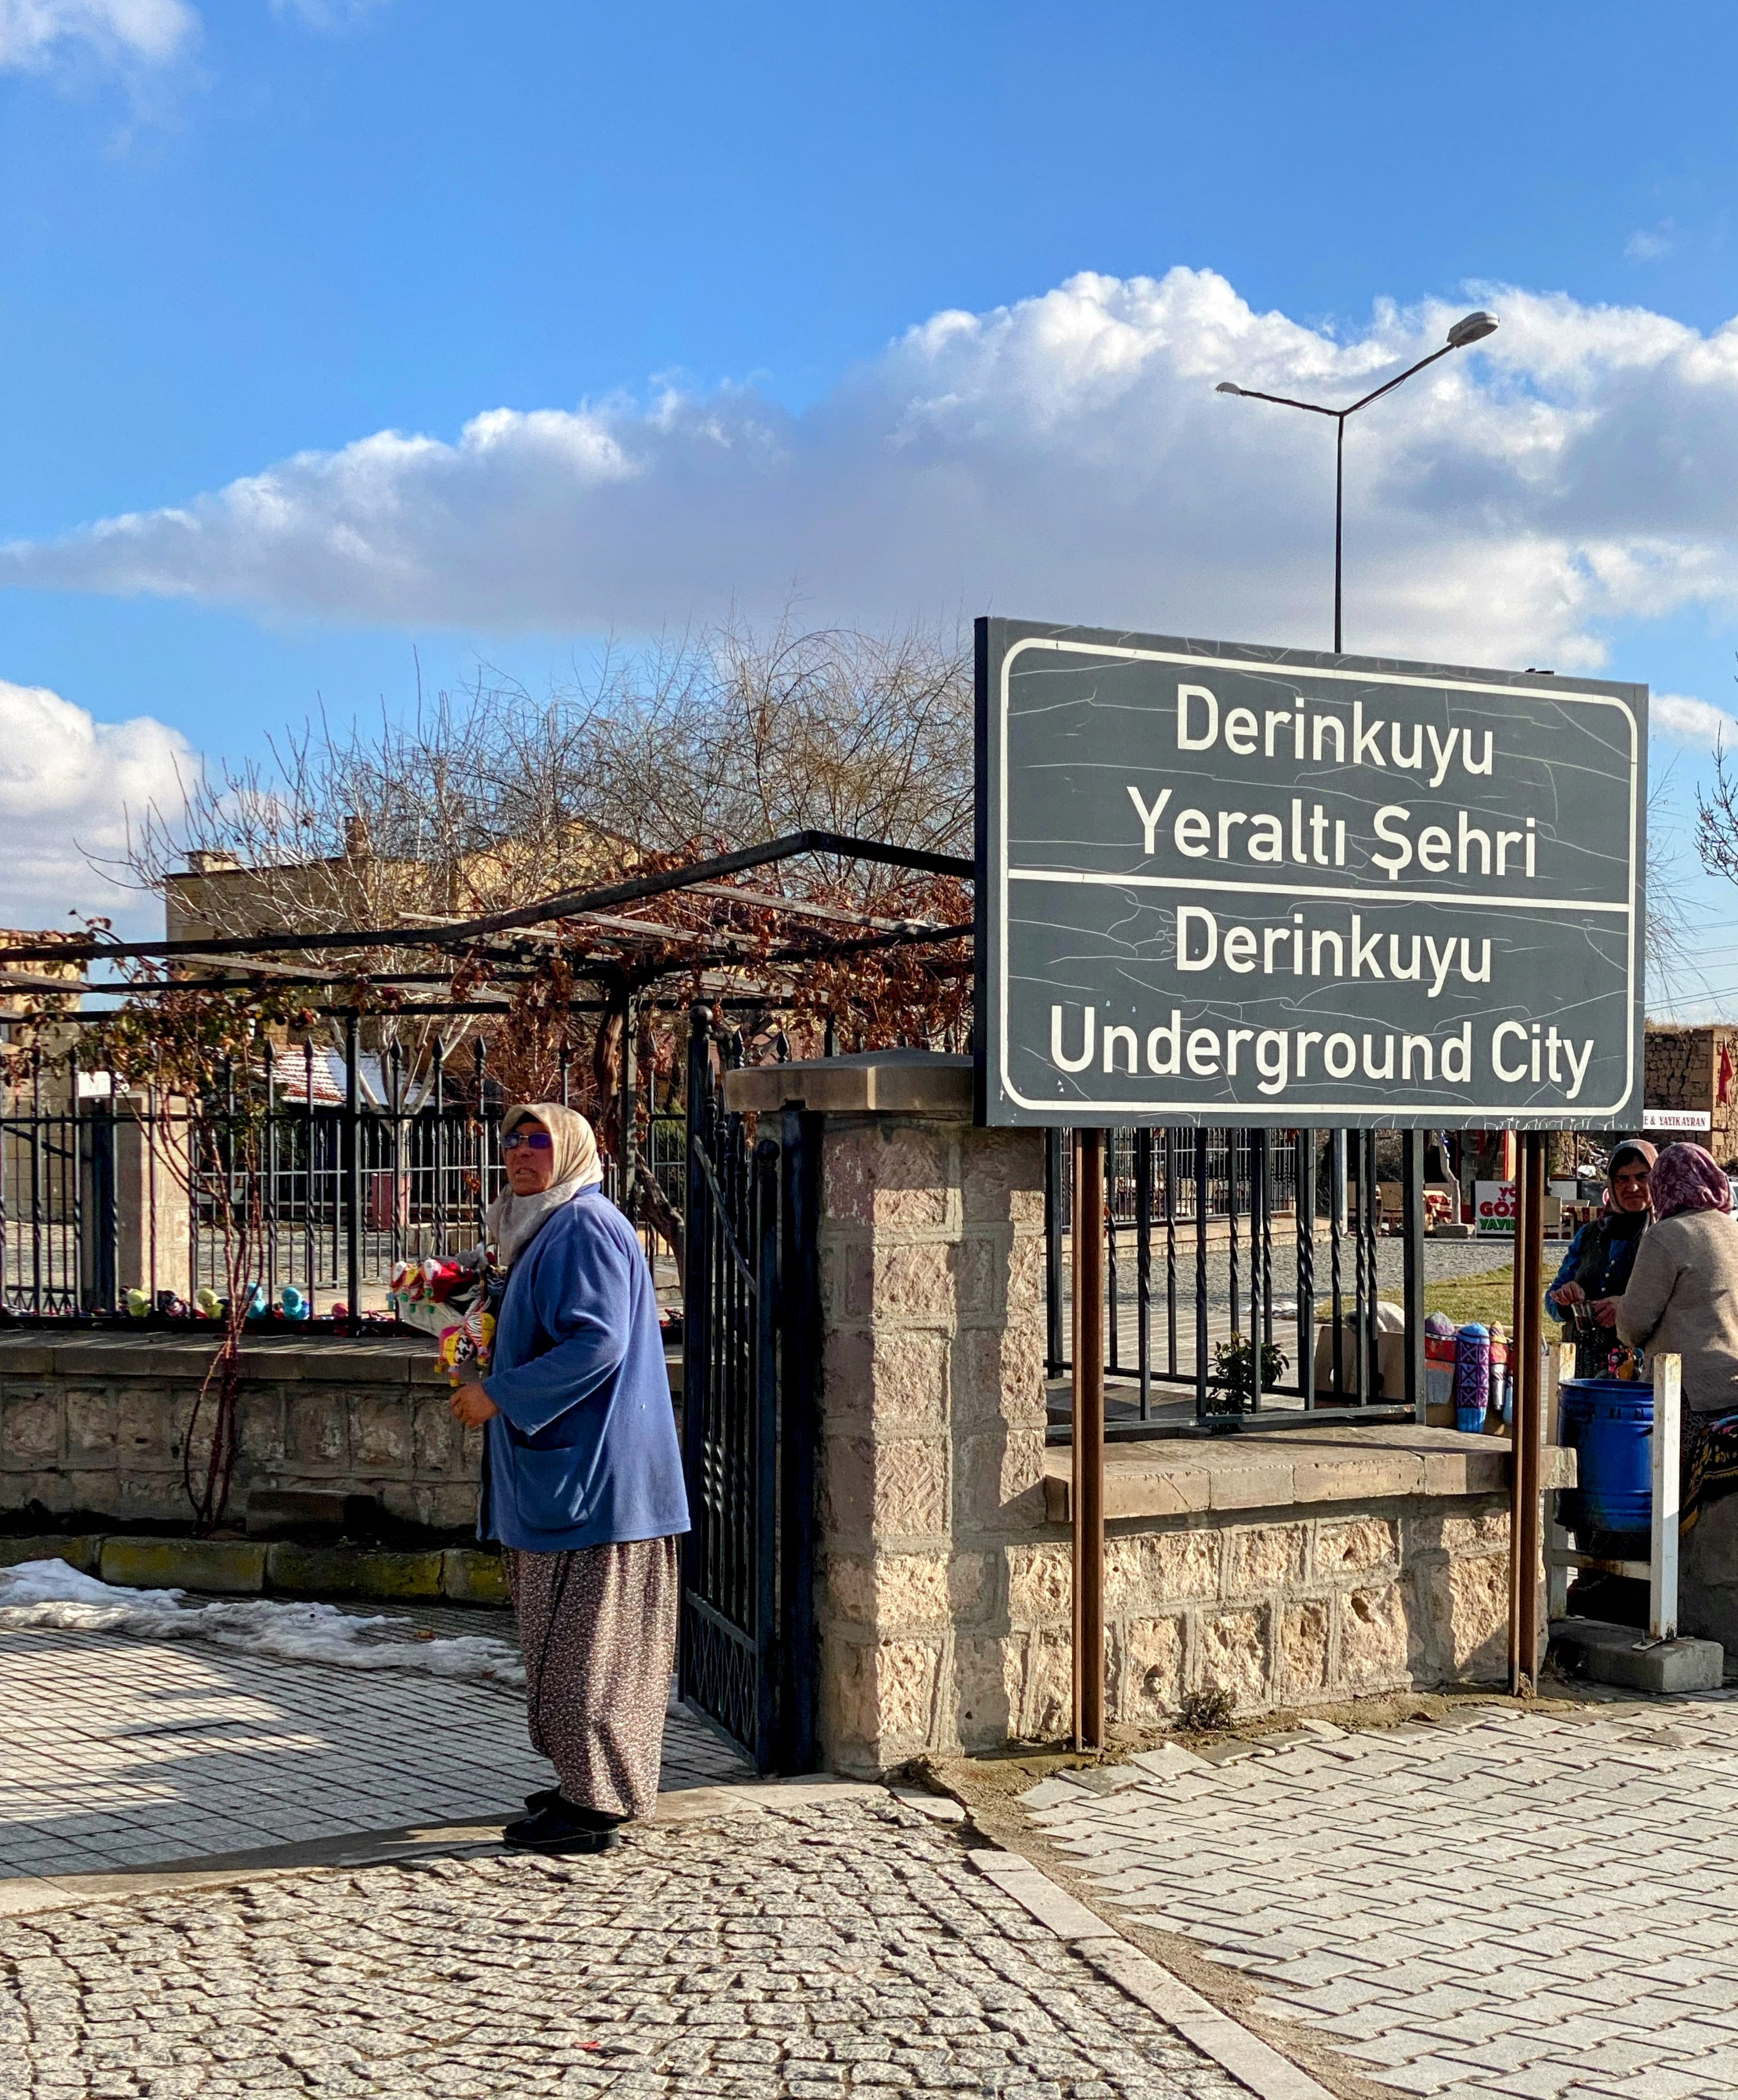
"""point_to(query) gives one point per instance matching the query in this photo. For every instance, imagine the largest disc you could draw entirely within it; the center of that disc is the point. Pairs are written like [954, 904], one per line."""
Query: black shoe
[560, 1826]
[588, 1818]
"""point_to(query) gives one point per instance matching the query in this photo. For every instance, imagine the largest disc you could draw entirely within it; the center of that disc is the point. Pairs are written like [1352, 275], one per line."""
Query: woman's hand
[472, 1406]
[1605, 1312]
[1568, 1294]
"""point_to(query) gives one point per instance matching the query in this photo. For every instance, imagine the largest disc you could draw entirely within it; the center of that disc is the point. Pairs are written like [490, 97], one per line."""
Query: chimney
[209, 861]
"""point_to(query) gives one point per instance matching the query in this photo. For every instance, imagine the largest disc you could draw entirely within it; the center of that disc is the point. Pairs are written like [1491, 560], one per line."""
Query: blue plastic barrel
[1608, 1424]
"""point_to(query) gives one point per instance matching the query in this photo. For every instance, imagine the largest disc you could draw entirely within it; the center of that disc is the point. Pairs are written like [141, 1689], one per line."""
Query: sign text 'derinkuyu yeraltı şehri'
[1221, 880]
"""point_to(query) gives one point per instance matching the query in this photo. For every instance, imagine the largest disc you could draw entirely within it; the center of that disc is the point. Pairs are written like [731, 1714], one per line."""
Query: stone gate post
[932, 1429]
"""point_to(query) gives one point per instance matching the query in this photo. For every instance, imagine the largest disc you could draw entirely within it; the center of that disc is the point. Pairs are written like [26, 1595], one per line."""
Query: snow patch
[51, 1593]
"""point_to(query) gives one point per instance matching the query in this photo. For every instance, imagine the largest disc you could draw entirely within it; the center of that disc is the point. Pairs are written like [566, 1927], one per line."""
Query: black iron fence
[1248, 1273]
[51, 1185]
[331, 1168]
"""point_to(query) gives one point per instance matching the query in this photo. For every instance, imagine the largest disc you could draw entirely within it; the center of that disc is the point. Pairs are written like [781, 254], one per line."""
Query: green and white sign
[1228, 882]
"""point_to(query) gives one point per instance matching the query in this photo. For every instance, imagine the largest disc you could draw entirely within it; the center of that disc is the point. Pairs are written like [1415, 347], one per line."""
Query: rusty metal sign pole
[1526, 1513]
[1089, 1439]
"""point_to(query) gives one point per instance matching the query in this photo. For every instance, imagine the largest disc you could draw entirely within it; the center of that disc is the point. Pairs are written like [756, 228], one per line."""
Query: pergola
[623, 956]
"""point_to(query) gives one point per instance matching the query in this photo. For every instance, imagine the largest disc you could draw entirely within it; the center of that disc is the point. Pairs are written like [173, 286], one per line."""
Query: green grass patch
[1487, 1296]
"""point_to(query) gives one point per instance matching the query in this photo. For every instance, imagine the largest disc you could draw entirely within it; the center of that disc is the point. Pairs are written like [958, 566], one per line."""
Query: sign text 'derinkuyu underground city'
[1215, 876]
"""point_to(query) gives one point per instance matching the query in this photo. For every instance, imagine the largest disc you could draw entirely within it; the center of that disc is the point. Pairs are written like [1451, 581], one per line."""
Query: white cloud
[1697, 723]
[68, 783]
[1650, 243]
[1064, 457]
[329, 14]
[35, 32]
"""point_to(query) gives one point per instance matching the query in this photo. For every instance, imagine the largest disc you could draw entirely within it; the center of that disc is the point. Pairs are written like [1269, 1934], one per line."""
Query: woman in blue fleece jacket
[582, 1480]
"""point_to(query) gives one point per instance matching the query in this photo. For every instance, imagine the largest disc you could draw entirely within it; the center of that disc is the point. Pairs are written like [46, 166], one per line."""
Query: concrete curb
[1253, 2062]
[237, 1568]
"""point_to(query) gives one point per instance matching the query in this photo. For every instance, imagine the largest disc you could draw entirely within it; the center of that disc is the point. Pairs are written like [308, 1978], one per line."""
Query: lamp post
[1473, 328]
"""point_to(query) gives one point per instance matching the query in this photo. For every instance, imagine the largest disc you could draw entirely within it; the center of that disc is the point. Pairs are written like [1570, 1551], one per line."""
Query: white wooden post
[1559, 1364]
[1662, 1564]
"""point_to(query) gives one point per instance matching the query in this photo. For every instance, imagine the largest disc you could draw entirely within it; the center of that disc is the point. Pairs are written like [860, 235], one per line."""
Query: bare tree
[492, 795]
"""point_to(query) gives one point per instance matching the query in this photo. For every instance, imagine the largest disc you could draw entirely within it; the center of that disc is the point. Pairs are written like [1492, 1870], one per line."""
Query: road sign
[1220, 883]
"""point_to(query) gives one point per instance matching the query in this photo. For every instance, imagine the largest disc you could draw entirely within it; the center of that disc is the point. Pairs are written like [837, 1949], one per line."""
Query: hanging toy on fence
[440, 1279]
[294, 1306]
[206, 1303]
[137, 1303]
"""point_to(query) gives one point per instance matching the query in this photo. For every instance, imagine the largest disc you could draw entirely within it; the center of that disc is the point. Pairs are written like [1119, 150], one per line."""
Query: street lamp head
[1474, 327]
[1227, 386]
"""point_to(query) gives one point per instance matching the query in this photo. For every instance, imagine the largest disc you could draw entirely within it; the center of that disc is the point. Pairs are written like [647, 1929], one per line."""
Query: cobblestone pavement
[1534, 1904]
[795, 1955]
[125, 1754]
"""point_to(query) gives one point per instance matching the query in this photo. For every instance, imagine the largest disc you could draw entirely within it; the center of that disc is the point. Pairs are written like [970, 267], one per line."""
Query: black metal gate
[751, 1331]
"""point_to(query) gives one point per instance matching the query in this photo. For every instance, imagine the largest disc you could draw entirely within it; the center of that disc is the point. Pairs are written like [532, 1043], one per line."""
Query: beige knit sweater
[1683, 1300]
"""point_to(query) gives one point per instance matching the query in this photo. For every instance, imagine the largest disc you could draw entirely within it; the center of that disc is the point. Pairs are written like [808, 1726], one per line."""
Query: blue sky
[684, 247]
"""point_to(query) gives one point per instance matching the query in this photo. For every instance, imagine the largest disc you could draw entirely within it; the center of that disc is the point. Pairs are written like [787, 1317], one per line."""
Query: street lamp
[1472, 328]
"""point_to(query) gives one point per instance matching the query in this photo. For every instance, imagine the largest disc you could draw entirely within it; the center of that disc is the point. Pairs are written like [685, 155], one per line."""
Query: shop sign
[1493, 1209]
[1227, 883]
[1687, 1123]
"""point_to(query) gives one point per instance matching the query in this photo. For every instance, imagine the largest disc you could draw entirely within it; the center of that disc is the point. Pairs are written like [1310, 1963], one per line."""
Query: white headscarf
[515, 1221]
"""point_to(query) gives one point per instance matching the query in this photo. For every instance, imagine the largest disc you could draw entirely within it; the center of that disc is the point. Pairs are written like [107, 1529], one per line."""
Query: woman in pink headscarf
[1682, 1298]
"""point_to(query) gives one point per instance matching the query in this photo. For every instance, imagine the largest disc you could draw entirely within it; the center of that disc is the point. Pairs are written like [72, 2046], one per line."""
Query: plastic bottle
[1472, 1377]
[1499, 1370]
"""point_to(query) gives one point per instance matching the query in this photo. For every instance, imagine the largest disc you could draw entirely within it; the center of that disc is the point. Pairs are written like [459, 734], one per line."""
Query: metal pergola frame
[569, 905]
[637, 956]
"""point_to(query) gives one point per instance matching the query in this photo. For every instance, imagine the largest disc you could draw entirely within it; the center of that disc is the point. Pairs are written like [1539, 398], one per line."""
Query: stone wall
[1295, 1568]
[1284, 1608]
[97, 1422]
[1697, 1068]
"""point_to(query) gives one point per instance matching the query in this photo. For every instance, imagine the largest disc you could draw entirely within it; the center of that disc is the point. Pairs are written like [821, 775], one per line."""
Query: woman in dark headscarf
[582, 1480]
[1595, 1271]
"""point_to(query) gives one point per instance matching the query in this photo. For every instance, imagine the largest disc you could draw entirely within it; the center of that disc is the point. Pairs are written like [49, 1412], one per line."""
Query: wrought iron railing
[1243, 1273]
[335, 1168]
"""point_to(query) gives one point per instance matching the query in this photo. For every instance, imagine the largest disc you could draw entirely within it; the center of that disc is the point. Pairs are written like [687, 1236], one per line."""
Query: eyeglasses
[539, 1141]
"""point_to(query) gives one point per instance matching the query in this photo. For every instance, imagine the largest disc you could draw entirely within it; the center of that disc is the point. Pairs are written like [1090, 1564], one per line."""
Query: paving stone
[1054, 1793]
[1517, 1903]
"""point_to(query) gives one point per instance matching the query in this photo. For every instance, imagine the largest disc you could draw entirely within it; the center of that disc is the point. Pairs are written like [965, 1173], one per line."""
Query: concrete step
[1624, 1655]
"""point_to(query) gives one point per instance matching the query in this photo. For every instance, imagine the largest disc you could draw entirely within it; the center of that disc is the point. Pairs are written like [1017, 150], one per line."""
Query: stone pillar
[931, 1431]
[153, 1221]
